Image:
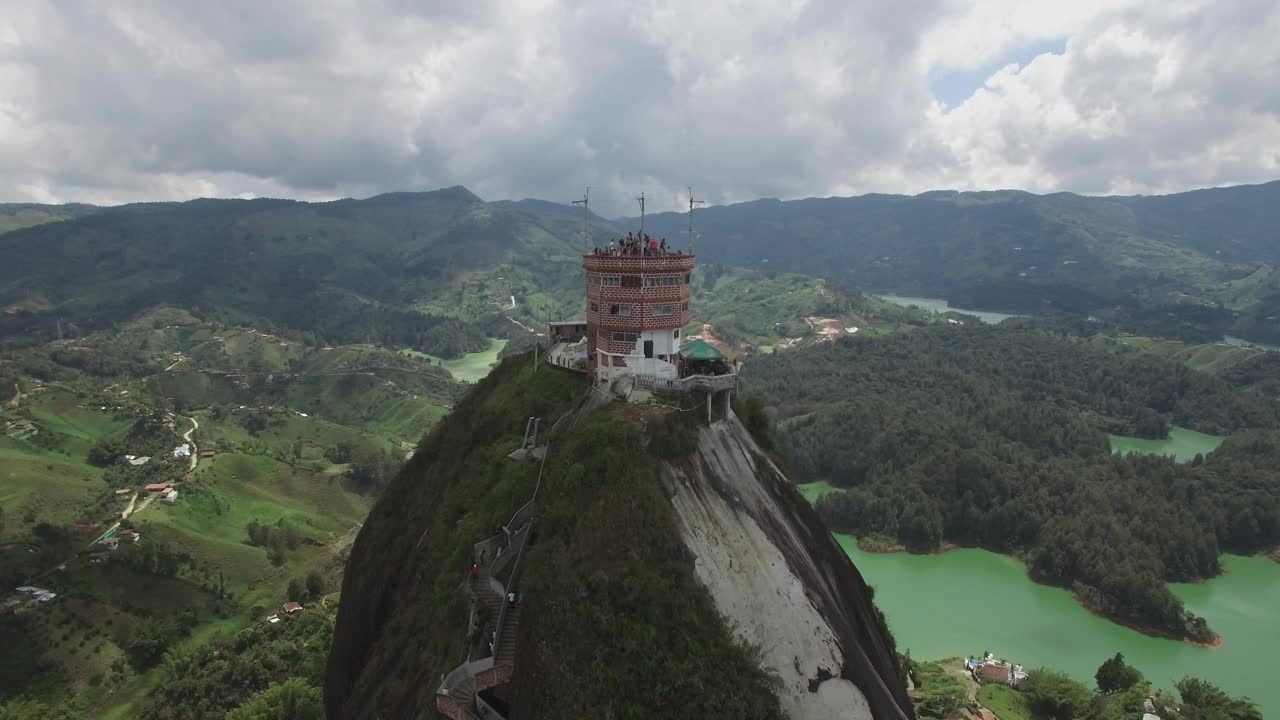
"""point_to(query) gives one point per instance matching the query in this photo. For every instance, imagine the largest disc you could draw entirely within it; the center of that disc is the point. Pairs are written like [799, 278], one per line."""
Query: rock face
[737, 527]
[782, 580]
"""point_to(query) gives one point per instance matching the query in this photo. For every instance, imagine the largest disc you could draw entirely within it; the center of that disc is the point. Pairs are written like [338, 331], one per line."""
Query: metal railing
[511, 587]
[708, 383]
[462, 673]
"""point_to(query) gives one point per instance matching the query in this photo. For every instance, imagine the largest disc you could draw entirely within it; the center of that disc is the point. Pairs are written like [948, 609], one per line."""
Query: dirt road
[129, 510]
[194, 450]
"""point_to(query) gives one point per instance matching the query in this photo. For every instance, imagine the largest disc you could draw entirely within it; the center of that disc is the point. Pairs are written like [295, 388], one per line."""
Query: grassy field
[226, 494]
[944, 691]
[1004, 701]
[42, 486]
[1208, 357]
[53, 483]
[373, 400]
[86, 632]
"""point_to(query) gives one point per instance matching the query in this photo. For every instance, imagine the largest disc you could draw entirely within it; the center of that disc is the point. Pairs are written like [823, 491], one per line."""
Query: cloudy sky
[125, 100]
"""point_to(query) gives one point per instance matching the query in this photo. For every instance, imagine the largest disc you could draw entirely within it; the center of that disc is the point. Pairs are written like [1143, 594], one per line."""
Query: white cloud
[143, 99]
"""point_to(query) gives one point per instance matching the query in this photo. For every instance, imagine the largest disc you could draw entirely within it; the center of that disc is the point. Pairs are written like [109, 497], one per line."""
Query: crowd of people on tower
[637, 244]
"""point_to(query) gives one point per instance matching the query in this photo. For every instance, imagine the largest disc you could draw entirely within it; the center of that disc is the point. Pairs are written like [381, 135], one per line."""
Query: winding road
[194, 450]
[136, 507]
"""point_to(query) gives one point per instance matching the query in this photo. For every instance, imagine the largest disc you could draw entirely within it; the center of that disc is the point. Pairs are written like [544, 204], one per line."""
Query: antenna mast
[692, 203]
[586, 228]
[641, 199]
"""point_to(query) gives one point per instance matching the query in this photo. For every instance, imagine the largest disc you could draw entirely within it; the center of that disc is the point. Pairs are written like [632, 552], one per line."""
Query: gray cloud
[123, 101]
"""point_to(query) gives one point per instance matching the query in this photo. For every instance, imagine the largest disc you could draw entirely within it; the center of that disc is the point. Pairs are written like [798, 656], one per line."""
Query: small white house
[170, 496]
[182, 451]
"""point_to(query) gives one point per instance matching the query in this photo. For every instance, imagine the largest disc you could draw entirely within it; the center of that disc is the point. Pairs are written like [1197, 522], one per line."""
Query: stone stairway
[487, 598]
[459, 694]
[464, 693]
[507, 636]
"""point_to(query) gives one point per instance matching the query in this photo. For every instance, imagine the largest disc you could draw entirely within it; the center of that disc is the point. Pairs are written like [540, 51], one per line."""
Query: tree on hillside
[1204, 701]
[315, 584]
[293, 699]
[340, 453]
[1050, 694]
[105, 452]
[1115, 675]
[150, 641]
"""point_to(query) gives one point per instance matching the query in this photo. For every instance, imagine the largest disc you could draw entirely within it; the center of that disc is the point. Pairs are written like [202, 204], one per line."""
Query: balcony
[671, 262]
[691, 383]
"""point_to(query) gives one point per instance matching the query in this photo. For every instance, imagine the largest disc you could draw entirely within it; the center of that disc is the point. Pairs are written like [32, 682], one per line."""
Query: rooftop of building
[603, 261]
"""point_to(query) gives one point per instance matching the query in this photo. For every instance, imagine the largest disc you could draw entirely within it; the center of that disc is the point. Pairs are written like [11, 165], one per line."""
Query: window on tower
[661, 280]
[623, 310]
[661, 310]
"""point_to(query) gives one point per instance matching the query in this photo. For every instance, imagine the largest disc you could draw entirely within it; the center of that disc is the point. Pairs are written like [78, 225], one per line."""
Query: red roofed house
[130, 535]
[996, 672]
[208, 453]
[292, 607]
[156, 487]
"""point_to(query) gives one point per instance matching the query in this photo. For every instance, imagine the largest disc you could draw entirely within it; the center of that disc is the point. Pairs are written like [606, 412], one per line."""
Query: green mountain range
[1206, 256]
[433, 271]
[428, 271]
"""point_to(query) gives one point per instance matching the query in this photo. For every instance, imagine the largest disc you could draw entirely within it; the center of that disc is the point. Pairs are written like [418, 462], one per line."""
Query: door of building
[648, 349]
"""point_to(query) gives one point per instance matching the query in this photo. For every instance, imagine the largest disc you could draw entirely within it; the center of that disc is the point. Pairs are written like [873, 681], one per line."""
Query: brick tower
[637, 302]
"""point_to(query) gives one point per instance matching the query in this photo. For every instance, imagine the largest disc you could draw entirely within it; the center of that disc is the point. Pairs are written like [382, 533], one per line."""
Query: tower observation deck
[638, 292]
[636, 307]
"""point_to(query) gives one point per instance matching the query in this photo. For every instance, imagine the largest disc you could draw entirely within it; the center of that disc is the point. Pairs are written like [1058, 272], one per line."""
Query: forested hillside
[429, 271]
[1208, 253]
[15, 216]
[432, 270]
[275, 446]
[994, 437]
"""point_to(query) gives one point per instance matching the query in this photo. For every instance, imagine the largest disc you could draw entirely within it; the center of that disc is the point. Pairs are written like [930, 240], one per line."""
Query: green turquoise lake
[1182, 444]
[938, 305]
[472, 367]
[966, 601]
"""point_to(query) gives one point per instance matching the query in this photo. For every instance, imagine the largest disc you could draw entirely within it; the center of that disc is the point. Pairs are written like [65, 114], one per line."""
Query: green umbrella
[701, 350]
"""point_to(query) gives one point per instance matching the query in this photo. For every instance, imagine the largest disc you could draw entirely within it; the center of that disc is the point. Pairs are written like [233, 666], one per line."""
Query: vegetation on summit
[621, 623]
